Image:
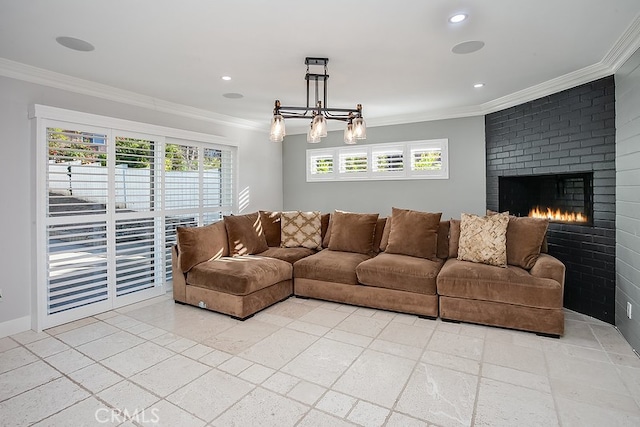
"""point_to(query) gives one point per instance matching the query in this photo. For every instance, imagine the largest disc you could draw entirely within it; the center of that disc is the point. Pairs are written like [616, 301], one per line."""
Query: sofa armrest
[548, 267]
[179, 278]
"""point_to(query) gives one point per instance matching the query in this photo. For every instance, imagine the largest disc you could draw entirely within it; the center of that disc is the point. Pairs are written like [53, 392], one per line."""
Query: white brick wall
[628, 198]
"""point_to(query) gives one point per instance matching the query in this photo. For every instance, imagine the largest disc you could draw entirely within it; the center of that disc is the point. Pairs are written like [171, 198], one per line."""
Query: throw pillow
[377, 238]
[352, 232]
[385, 235]
[414, 233]
[525, 237]
[200, 244]
[246, 235]
[271, 226]
[484, 239]
[301, 229]
[454, 237]
[325, 229]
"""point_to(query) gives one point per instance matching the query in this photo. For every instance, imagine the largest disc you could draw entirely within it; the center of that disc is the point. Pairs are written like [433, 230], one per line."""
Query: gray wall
[464, 191]
[260, 177]
[628, 199]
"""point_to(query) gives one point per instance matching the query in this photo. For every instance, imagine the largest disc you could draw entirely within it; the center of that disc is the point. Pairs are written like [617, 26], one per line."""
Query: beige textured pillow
[352, 232]
[483, 239]
[245, 233]
[301, 229]
[414, 233]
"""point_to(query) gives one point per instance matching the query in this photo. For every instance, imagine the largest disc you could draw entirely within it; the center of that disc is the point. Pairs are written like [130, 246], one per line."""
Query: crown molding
[28, 73]
[627, 45]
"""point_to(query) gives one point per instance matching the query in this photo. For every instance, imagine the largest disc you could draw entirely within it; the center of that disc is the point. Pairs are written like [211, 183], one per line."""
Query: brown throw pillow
[200, 244]
[524, 240]
[385, 235]
[352, 232]
[377, 237]
[443, 240]
[301, 229]
[246, 235]
[454, 237]
[325, 230]
[414, 233]
[271, 226]
[484, 239]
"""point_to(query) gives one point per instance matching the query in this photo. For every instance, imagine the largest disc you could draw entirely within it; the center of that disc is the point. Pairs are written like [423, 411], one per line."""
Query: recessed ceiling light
[233, 95]
[458, 17]
[478, 85]
[75, 44]
[226, 78]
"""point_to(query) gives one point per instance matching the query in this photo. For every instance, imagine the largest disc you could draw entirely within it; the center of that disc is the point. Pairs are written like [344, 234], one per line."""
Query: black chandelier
[319, 113]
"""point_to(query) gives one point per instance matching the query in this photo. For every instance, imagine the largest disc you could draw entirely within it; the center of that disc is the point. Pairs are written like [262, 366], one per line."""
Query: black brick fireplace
[558, 152]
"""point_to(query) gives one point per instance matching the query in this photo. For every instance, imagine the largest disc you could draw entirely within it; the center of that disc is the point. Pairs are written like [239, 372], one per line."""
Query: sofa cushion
[511, 285]
[401, 272]
[352, 232]
[443, 240]
[301, 229]
[414, 233]
[483, 239]
[289, 255]
[377, 238]
[271, 225]
[245, 234]
[525, 237]
[384, 241]
[454, 237]
[330, 266]
[241, 275]
[199, 244]
[325, 220]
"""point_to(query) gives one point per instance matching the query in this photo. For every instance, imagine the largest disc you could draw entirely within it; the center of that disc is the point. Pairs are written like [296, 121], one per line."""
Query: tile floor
[313, 363]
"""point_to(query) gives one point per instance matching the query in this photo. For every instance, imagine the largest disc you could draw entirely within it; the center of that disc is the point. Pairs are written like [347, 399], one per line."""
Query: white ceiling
[394, 57]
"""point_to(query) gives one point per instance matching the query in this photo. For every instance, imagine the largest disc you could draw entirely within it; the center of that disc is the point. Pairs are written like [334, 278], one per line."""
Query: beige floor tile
[323, 362]
[558, 346]
[336, 403]
[290, 309]
[197, 351]
[137, 359]
[368, 415]
[69, 361]
[47, 347]
[140, 328]
[579, 333]
[439, 395]
[25, 378]
[515, 357]
[411, 335]
[349, 338]
[516, 377]
[281, 383]
[456, 363]
[594, 396]
[317, 419]
[508, 405]
[210, 395]
[324, 317]
[594, 374]
[14, 358]
[125, 395]
[376, 377]
[306, 392]
[109, 345]
[165, 414]
[400, 420]
[631, 379]
[396, 349]
[181, 345]
[30, 336]
[632, 361]
[36, 404]
[73, 325]
[240, 337]
[170, 374]
[235, 365]
[274, 319]
[278, 349]
[7, 343]
[215, 358]
[152, 333]
[266, 406]
[87, 413]
[87, 333]
[256, 373]
[95, 377]
[610, 339]
[578, 414]
[406, 319]
[367, 326]
[456, 345]
[309, 328]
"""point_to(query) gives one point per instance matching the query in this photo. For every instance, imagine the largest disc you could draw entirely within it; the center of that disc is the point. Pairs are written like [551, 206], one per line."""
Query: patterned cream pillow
[301, 229]
[484, 239]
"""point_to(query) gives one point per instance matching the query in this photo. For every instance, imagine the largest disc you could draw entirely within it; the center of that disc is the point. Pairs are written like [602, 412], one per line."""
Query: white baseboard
[15, 326]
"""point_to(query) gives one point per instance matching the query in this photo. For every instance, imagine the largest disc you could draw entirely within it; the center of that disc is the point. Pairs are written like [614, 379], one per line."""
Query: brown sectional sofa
[359, 264]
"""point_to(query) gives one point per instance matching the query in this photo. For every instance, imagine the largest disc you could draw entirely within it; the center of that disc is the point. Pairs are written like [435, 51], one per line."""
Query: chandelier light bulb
[277, 129]
[320, 125]
[349, 137]
[359, 128]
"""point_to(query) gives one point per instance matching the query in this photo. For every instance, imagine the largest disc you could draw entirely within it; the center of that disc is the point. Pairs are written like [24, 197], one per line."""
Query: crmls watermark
[104, 415]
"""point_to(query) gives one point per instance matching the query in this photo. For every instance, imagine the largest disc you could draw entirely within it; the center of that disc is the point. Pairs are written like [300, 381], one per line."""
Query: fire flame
[557, 215]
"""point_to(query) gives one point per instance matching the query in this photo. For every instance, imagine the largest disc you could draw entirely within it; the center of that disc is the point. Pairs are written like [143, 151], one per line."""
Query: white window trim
[373, 175]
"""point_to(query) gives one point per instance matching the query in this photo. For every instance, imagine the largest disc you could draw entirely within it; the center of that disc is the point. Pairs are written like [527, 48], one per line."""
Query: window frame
[372, 153]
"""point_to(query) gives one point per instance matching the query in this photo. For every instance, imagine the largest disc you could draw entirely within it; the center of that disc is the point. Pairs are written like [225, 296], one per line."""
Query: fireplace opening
[566, 198]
